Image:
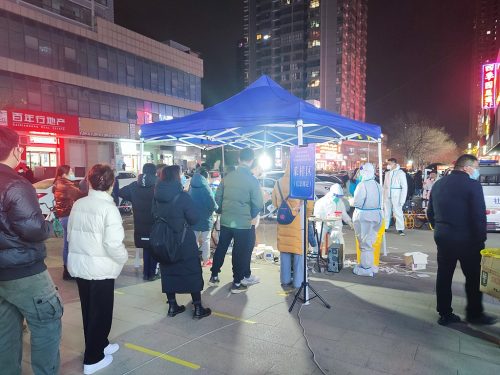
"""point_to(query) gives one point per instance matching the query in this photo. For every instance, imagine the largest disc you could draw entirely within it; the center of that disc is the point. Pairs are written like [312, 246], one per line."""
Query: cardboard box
[416, 261]
[490, 276]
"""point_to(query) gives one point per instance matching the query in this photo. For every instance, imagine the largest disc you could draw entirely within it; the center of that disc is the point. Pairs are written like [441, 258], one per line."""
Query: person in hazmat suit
[367, 218]
[395, 191]
[332, 206]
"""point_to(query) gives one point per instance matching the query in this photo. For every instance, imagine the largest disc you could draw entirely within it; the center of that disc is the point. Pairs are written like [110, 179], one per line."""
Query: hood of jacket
[198, 181]
[166, 191]
[146, 180]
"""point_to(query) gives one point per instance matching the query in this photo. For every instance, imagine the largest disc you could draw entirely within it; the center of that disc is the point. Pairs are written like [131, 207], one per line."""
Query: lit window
[488, 32]
[314, 83]
[266, 37]
[315, 73]
[315, 43]
[259, 36]
[314, 4]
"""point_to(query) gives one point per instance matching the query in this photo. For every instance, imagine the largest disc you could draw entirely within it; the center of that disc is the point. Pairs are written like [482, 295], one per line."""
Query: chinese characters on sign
[302, 172]
[489, 85]
[25, 120]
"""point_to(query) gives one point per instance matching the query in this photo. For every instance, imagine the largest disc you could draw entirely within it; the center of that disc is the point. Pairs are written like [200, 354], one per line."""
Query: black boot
[174, 308]
[66, 275]
[200, 311]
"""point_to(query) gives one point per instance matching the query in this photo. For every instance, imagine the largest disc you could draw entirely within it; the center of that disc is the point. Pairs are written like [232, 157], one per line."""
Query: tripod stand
[305, 283]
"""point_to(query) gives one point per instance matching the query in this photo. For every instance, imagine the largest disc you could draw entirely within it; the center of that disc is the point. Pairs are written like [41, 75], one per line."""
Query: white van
[490, 180]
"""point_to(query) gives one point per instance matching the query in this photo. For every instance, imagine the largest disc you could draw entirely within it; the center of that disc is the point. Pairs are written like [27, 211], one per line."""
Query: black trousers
[470, 261]
[150, 264]
[196, 296]
[244, 239]
[96, 299]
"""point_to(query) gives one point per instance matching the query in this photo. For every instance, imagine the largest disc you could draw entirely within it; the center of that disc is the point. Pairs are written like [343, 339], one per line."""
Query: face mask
[183, 180]
[475, 175]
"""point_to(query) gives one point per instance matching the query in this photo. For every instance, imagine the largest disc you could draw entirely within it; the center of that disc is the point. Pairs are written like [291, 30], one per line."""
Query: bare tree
[421, 140]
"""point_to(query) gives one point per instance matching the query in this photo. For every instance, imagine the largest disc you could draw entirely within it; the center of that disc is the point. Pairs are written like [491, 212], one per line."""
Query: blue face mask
[475, 175]
[183, 180]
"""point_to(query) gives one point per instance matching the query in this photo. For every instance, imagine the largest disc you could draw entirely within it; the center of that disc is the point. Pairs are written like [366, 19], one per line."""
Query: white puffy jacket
[95, 236]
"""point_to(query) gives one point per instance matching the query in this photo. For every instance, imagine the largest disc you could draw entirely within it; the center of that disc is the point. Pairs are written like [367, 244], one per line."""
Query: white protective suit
[325, 207]
[367, 218]
[395, 191]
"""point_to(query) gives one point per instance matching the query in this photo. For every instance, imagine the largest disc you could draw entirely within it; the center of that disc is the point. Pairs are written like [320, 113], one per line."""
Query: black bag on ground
[165, 243]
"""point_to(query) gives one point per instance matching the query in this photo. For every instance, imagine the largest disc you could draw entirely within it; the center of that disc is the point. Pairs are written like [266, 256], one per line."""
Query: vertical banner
[302, 171]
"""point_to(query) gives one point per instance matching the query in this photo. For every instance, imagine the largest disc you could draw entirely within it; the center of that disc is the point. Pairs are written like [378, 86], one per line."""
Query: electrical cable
[307, 342]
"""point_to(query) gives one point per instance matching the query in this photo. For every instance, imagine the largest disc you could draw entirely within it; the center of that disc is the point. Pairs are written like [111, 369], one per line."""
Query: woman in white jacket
[96, 258]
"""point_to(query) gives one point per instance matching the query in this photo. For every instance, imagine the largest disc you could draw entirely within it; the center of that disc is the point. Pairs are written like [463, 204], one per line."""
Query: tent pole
[223, 162]
[141, 152]
[379, 149]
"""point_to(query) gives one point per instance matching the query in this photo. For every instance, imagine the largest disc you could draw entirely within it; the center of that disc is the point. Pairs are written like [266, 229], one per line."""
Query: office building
[316, 49]
[78, 87]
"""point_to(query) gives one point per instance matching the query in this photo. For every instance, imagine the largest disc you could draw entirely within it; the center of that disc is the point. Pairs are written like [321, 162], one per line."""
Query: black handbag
[285, 215]
[165, 242]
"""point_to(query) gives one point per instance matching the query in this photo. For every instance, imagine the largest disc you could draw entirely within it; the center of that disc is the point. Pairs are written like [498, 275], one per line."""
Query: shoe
[214, 281]
[444, 320]
[66, 275]
[175, 309]
[201, 312]
[483, 320]
[111, 349]
[252, 280]
[238, 288]
[154, 278]
[360, 271]
[401, 233]
[105, 362]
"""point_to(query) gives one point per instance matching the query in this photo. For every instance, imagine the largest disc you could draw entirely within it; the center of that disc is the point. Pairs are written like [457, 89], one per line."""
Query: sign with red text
[489, 85]
[34, 121]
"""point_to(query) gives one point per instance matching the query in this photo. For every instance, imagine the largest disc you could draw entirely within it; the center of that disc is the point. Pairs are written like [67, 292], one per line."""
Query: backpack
[284, 215]
[164, 241]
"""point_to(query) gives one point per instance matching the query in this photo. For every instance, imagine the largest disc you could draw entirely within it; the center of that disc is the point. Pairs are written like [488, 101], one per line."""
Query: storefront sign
[27, 121]
[302, 171]
[489, 85]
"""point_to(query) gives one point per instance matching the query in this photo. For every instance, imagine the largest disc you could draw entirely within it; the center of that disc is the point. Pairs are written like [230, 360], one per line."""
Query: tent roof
[262, 115]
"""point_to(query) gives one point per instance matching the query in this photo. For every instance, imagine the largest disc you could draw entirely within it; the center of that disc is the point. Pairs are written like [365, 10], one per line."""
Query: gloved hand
[351, 225]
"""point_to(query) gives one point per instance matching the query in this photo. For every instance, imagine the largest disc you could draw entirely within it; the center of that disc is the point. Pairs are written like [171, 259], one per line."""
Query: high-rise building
[486, 47]
[77, 87]
[316, 49]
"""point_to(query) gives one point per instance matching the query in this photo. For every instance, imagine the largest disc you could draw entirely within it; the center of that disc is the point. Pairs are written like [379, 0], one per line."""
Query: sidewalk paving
[381, 325]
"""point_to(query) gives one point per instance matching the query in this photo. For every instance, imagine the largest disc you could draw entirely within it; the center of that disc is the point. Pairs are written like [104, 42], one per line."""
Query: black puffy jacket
[141, 194]
[23, 228]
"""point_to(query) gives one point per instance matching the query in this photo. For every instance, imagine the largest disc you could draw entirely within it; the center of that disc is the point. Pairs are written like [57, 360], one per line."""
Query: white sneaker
[105, 362]
[360, 271]
[250, 280]
[111, 349]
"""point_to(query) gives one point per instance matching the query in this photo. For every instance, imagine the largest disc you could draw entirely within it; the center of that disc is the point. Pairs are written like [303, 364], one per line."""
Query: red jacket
[65, 195]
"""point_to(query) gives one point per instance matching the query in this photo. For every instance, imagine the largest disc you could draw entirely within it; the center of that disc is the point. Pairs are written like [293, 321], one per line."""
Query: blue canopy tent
[262, 115]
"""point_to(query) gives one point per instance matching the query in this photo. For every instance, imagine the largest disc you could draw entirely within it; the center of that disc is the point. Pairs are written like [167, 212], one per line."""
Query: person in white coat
[326, 208]
[367, 218]
[96, 258]
[395, 190]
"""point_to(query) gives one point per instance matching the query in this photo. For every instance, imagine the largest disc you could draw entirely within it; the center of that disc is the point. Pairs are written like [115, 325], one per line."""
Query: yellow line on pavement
[221, 315]
[166, 357]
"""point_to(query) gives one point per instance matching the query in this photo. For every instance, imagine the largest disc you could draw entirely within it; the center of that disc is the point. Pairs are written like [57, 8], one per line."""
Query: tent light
[265, 162]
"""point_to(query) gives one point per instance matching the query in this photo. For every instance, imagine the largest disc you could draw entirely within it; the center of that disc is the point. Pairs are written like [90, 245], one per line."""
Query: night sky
[419, 51]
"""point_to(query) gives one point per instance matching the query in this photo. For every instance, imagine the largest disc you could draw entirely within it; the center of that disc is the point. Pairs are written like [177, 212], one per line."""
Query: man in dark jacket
[26, 289]
[458, 214]
[141, 194]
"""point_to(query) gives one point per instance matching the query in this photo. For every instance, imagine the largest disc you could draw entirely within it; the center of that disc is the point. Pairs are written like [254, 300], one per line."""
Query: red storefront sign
[27, 121]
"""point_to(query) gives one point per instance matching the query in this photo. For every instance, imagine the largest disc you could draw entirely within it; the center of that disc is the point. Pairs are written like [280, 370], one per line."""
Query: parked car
[46, 196]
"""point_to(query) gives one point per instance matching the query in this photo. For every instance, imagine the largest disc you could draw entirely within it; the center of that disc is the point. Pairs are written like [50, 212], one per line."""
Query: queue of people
[94, 252]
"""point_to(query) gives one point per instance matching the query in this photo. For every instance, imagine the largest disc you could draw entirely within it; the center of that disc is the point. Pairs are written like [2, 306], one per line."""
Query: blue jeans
[35, 299]
[64, 223]
[286, 260]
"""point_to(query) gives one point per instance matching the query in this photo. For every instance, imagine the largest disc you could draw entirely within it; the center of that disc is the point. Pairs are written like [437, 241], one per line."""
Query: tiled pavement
[384, 325]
